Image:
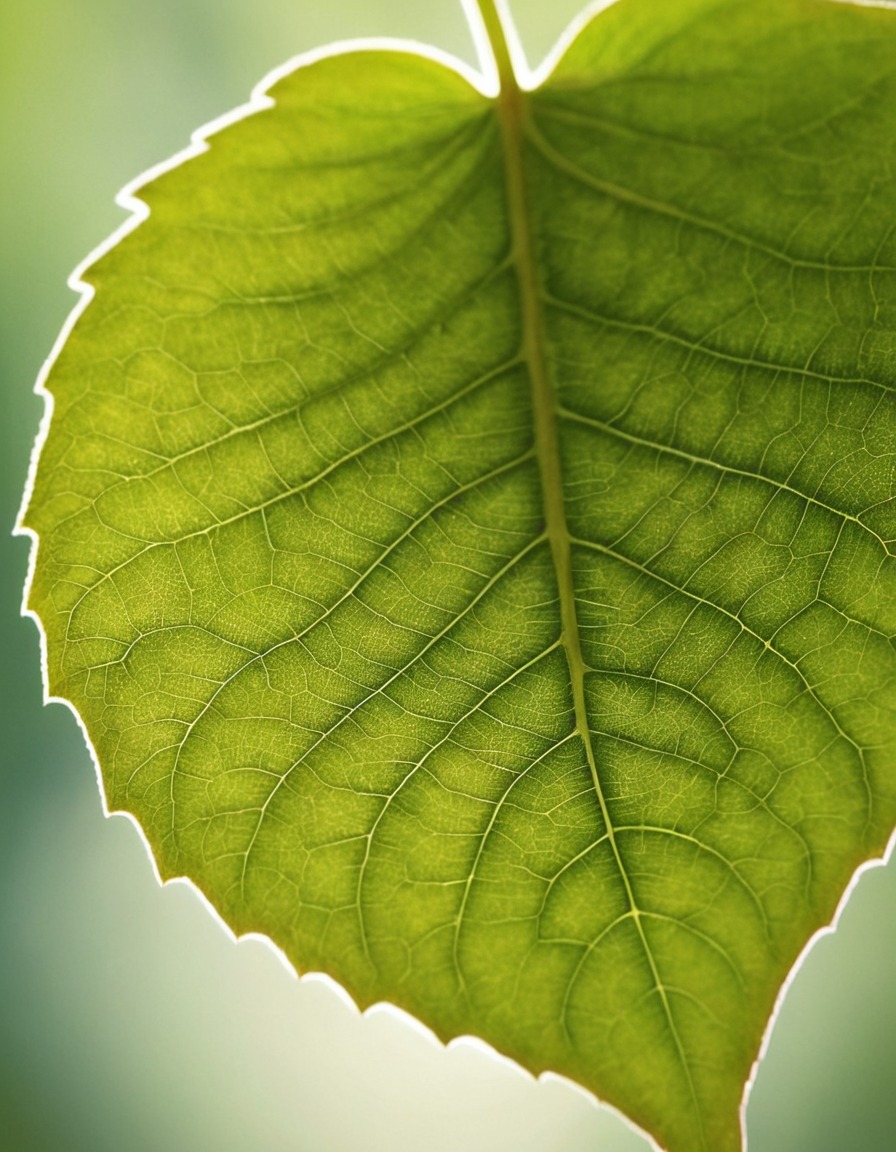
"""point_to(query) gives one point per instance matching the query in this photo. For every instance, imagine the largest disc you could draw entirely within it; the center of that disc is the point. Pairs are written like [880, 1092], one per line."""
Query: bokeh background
[129, 1022]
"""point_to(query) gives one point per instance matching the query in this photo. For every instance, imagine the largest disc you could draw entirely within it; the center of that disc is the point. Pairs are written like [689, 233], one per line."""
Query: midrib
[510, 105]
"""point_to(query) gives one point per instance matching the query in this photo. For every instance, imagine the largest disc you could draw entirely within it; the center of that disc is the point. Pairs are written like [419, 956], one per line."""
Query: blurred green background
[129, 1022]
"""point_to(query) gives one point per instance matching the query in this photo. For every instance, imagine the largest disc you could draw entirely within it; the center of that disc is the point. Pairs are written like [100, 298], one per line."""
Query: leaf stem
[500, 46]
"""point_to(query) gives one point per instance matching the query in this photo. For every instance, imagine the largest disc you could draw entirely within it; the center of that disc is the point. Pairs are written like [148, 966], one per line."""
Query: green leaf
[466, 530]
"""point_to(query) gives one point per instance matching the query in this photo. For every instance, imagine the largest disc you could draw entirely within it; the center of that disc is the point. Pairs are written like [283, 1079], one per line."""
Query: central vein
[544, 408]
[511, 115]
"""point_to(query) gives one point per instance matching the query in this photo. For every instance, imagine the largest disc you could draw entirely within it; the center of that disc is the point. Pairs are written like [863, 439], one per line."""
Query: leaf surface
[466, 529]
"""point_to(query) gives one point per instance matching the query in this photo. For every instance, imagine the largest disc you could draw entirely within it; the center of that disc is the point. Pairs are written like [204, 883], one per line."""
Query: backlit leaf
[466, 530]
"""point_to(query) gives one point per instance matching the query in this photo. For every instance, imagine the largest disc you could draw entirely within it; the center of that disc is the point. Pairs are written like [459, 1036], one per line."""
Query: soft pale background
[128, 1021]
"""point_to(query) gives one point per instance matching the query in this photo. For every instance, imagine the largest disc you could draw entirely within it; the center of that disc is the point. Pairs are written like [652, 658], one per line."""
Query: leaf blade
[367, 653]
